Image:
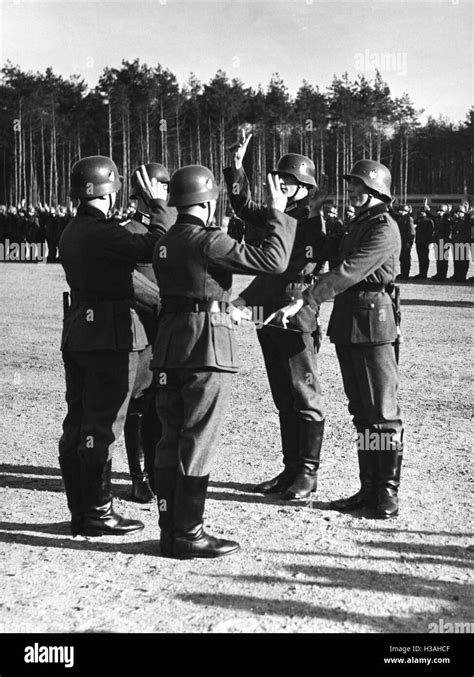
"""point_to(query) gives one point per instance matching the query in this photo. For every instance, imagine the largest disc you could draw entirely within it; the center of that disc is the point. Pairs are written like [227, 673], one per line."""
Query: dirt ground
[302, 568]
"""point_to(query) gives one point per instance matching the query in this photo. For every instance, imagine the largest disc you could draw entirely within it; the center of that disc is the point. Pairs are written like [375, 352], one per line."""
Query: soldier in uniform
[441, 238]
[407, 235]
[423, 238]
[101, 340]
[335, 228]
[52, 235]
[461, 239]
[142, 428]
[349, 217]
[364, 328]
[194, 355]
[290, 356]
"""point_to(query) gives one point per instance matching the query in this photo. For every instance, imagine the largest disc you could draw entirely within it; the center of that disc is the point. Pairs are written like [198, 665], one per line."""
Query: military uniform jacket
[196, 262]
[145, 286]
[461, 230]
[407, 229]
[311, 247]
[369, 254]
[424, 230]
[98, 257]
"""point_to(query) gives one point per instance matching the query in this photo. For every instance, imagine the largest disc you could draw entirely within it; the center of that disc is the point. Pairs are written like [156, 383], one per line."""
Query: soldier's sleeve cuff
[310, 300]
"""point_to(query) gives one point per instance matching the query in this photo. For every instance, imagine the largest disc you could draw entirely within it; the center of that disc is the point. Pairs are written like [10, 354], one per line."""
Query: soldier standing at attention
[101, 340]
[194, 354]
[349, 217]
[335, 228]
[461, 239]
[364, 329]
[423, 239]
[442, 237]
[142, 428]
[407, 235]
[290, 356]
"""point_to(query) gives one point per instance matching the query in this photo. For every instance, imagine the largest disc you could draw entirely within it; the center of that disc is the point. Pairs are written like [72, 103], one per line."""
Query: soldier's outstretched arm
[118, 244]
[274, 252]
[238, 188]
[381, 243]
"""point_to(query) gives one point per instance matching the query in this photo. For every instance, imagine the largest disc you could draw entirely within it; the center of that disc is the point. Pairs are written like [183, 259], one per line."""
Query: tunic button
[372, 305]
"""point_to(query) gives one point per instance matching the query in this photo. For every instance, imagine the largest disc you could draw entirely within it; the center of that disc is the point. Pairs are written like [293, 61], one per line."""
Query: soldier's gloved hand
[318, 195]
[282, 315]
[151, 189]
[241, 149]
[276, 199]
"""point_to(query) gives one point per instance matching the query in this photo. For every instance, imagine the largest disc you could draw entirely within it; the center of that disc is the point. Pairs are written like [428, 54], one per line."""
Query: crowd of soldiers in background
[448, 228]
[41, 224]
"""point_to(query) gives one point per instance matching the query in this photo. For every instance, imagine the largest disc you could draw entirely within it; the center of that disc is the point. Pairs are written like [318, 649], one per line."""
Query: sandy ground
[302, 568]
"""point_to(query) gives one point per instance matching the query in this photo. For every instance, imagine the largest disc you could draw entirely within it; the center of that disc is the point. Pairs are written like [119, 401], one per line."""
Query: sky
[423, 47]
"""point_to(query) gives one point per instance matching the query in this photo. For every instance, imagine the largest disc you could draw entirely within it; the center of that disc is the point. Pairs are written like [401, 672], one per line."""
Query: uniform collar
[300, 204]
[84, 208]
[369, 212]
[189, 220]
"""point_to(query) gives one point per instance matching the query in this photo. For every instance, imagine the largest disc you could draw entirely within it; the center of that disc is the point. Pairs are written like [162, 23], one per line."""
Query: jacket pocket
[373, 320]
[223, 339]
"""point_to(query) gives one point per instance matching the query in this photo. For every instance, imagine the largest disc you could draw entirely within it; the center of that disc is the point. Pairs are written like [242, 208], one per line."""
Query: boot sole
[202, 555]
[109, 532]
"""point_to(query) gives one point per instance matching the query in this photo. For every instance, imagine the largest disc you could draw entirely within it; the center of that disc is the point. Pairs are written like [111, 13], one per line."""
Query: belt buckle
[215, 307]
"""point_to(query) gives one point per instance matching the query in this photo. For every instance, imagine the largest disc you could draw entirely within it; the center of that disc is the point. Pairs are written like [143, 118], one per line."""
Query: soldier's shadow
[147, 547]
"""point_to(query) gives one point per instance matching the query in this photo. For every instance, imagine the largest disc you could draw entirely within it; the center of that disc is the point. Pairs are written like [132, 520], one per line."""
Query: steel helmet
[94, 176]
[374, 175]
[154, 171]
[299, 166]
[192, 185]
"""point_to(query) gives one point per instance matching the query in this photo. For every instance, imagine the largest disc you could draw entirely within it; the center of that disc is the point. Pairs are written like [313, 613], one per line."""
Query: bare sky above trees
[423, 47]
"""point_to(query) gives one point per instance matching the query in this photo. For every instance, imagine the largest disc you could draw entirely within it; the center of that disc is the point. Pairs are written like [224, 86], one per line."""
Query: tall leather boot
[311, 435]
[289, 430]
[70, 470]
[151, 434]
[190, 539]
[141, 490]
[388, 467]
[366, 497]
[165, 486]
[99, 516]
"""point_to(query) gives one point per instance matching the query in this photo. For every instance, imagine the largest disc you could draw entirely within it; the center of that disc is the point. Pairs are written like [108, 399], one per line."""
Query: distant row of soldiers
[442, 228]
[40, 224]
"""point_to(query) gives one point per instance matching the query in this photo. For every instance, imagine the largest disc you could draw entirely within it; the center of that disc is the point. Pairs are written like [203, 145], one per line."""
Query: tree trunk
[337, 167]
[43, 161]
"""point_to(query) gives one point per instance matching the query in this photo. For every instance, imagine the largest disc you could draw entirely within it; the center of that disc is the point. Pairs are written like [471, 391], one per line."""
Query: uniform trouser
[441, 261]
[461, 268]
[52, 248]
[370, 377]
[423, 252]
[98, 389]
[405, 260]
[291, 365]
[191, 405]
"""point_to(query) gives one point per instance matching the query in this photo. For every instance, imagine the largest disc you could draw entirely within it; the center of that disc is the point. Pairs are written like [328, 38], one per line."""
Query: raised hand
[276, 199]
[241, 150]
[151, 189]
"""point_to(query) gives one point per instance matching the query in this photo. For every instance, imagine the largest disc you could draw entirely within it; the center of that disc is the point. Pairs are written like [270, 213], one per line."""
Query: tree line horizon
[137, 114]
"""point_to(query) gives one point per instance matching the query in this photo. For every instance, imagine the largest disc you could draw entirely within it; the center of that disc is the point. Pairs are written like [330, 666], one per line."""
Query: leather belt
[373, 286]
[183, 304]
[83, 297]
